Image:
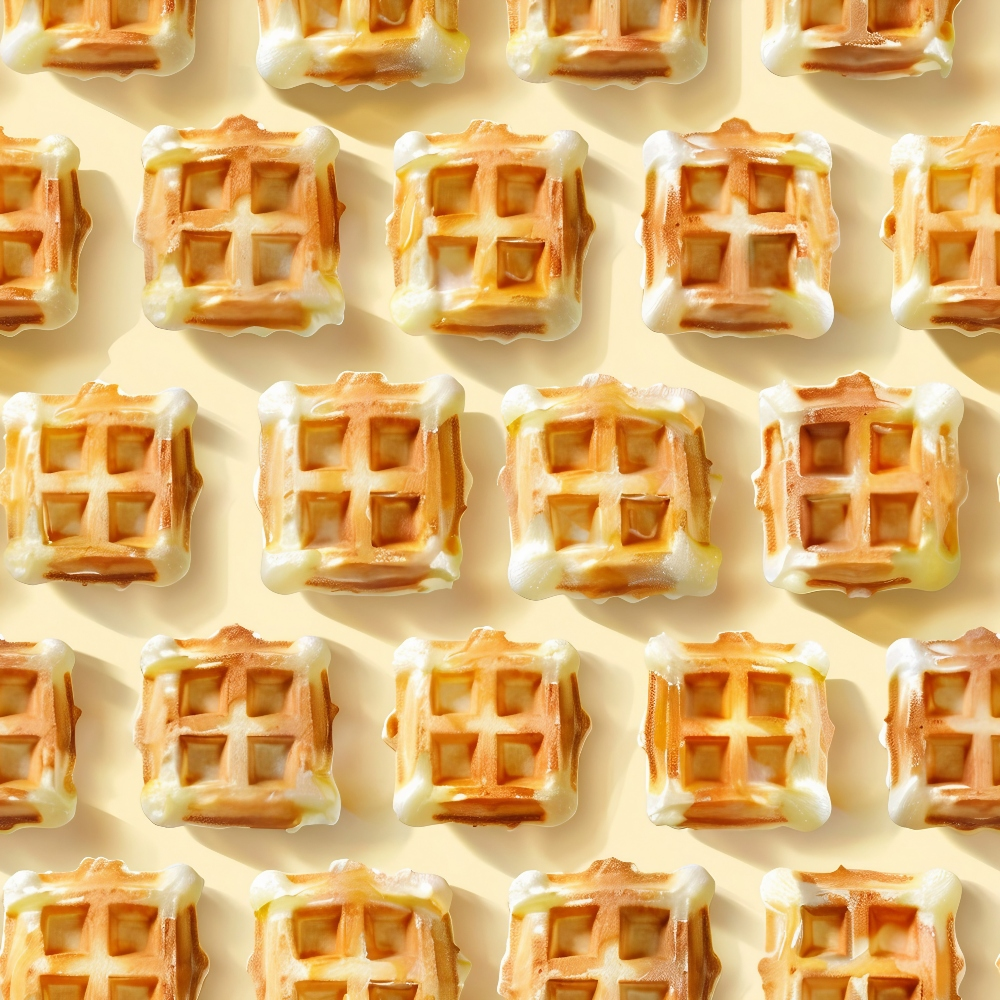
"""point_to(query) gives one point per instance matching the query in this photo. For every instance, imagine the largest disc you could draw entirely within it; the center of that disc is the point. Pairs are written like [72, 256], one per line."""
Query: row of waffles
[383, 42]
[355, 933]
[240, 231]
[235, 730]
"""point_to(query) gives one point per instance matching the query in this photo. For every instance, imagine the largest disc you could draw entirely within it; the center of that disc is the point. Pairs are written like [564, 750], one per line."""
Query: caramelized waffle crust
[489, 232]
[736, 733]
[356, 932]
[240, 229]
[237, 731]
[609, 491]
[866, 39]
[610, 931]
[486, 731]
[860, 486]
[601, 42]
[99, 487]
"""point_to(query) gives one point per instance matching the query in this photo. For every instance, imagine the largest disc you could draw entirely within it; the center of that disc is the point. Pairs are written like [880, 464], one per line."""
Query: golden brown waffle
[102, 932]
[943, 731]
[943, 231]
[37, 734]
[354, 933]
[240, 229]
[237, 731]
[489, 232]
[736, 733]
[99, 487]
[349, 42]
[43, 226]
[738, 232]
[362, 485]
[611, 931]
[88, 38]
[861, 934]
[486, 731]
[609, 491]
[869, 39]
[860, 486]
[598, 42]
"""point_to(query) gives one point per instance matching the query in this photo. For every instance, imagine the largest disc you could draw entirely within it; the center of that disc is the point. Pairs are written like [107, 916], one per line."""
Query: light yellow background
[111, 340]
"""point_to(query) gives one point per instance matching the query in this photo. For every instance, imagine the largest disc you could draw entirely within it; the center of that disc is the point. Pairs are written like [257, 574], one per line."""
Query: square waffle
[344, 43]
[860, 486]
[354, 933]
[611, 931]
[861, 934]
[738, 232]
[868, 39]
[486, 731]
[609, 491]
[362, 485]
[488, 233]
[43, 226]
[240, 229]
[736, 733]
[37, 734]
[88, 38]
[599, 42]
[102, 932]
[944, 231]
[99, 487]
[943, 732]
[236, 731]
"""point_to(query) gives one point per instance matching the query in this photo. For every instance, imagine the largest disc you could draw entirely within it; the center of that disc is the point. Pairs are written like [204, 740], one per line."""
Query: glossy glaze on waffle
[88, 38]
[736, 733]
[37, 734]
[486, 731]
[868, 39]
[240, 229]
[489, 232]
[866, 934]
[99, 487]
[102, 932]
[860, 486]
[944, 229]
[599, 42]
[237, 731]
[608, 491]
[362, 485]
[610, 931]
[738, 232]
[943, 731]
[354, 933]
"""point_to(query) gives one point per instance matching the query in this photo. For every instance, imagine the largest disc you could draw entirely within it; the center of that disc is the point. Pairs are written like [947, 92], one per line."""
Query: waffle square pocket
[610, 931]
[860, 486]
[354, 932]
[99, 487]
[486, 731]
[609, 491]
[488, 233]
[599, 42]
[102, 932]
[867, 39]
[345, 43]
[88, 38]
[738, 232]
[861, 934]
[736, 733]
[240, 229]
[237, 731]
[362, 485]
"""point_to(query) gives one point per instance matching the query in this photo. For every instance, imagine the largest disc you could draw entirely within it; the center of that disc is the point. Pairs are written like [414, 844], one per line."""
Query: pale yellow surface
[110, 339]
